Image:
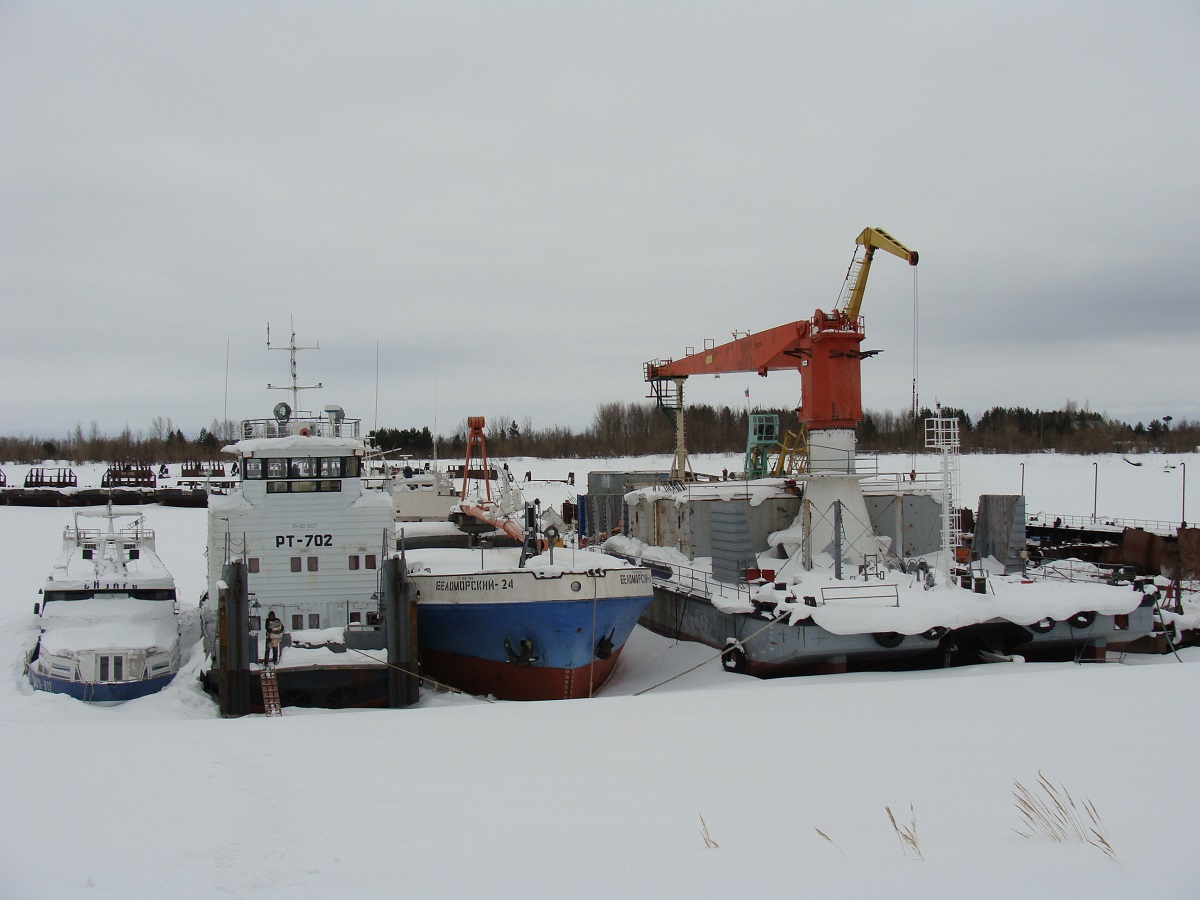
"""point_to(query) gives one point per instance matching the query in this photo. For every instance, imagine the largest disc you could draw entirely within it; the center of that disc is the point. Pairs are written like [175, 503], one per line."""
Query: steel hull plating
[533, 650]
[767, 650]
[102, 692]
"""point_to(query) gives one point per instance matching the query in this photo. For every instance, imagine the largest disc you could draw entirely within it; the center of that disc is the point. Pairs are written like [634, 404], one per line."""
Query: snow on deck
[896, 603]
[115, 622]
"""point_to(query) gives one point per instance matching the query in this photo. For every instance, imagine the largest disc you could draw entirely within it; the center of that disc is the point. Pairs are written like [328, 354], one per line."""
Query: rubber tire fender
[889, 640]
[1082, 619]
[734, 659]
[1042, 626]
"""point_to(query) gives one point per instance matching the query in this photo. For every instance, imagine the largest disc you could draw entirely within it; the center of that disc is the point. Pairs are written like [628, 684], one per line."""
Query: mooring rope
[432, 681]
[705, 662]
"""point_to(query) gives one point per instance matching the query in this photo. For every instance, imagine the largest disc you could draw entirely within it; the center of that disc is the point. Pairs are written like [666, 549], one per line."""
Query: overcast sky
[520, 203]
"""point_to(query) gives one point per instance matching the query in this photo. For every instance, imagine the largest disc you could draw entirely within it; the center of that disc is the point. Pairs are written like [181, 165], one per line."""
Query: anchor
[604, 646]
[525, 657]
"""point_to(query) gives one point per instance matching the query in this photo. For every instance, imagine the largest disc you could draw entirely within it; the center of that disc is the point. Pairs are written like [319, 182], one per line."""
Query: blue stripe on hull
[103, 692]
[562, 631]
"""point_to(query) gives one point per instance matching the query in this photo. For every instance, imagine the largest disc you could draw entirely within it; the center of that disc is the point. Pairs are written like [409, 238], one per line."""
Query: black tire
[734, 659]
[888, 639]
[1082, 619]
[936, 633]
[1041, 626]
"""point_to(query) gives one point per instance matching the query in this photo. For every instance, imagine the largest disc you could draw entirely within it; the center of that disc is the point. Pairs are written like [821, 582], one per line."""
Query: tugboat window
[297, 622]
[296, 564]
[277, 487]
[303, 487]
[277, 468]
[252, 565]
[314, 620]
[104, 668]
[330, 485]
[353, 562]
[370, 560]
[350, 467]
[331, 467]
[304, 467]
[118, 666]
[255, 623]
[253, 469]
[355, 618]
[312, 564]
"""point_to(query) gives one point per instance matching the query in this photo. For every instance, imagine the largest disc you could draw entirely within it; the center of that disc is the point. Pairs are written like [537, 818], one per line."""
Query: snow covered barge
[108, 617]
[834, 567]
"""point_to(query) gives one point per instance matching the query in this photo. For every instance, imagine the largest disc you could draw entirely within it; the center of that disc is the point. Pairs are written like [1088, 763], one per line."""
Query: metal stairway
[270, 691]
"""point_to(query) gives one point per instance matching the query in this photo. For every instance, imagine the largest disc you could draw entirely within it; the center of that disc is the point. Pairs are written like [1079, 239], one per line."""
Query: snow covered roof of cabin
[110, 562]
[755, 491]
[116, 622]
[285, 446]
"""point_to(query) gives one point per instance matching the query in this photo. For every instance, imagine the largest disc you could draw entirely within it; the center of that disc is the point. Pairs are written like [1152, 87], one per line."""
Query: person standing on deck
[274, 637]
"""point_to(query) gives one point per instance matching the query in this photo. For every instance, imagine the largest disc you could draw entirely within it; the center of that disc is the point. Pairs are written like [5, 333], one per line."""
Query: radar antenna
[295, 388]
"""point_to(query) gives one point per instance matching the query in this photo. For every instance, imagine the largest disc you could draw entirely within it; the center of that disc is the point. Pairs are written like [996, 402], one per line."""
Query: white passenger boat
[108, 617]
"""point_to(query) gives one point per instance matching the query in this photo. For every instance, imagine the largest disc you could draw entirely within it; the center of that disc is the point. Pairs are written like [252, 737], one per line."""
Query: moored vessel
[109, 622]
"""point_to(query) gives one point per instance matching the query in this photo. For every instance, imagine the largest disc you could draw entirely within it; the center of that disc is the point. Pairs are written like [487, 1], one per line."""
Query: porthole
[576, 586]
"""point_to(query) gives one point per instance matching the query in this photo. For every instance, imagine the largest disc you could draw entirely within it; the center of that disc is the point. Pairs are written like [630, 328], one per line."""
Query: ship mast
[292, 348]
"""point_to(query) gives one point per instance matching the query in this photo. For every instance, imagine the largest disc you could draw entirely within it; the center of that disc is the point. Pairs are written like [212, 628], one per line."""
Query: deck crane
[824, 349]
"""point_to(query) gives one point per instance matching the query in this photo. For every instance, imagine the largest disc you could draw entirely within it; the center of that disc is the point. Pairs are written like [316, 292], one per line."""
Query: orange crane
[825, 349]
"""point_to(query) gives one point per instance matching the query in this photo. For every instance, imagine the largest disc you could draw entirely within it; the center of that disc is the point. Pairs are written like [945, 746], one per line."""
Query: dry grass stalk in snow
[708, 842]
[1055, 814]
[907, 833]
[832, 841]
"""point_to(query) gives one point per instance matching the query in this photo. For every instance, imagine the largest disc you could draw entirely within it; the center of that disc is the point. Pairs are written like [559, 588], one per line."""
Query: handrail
[1101, 523]
[861, 592]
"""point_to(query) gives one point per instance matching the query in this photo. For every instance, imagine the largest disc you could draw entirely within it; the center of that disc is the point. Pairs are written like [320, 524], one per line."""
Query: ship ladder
[270, 691]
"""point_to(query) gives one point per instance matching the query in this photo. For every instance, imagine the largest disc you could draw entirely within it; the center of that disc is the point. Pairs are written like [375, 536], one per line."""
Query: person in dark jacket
[274, 637]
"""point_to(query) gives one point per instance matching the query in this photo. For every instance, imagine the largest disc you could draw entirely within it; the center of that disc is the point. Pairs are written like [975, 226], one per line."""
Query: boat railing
[1077, 570]
[134, 535]
[316, 427]
[1101, 523]
[861, 592]
[701, 583]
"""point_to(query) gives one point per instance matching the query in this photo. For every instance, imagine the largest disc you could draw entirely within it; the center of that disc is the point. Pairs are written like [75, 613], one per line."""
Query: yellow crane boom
[872, 239]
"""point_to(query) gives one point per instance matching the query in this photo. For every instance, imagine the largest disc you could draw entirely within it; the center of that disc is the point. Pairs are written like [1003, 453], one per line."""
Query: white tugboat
[310, 537]
[108, 616]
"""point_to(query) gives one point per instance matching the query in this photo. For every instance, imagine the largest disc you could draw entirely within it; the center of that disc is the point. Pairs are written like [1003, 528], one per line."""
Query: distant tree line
[1017, 429]
[636, 429]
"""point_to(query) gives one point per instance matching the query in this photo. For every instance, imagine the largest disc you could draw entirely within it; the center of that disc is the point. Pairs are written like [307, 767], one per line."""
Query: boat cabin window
[252, 565]
[296, 567]
[314, 620]
[355, 618]
[353, 562]
[277, 468]
[297, 622]
[303, 487]
[330, 485]
[277, 487]
[331, 467]
[370, 560]
[253, 469]
[304, 467]
[255, 623]
[312, 564]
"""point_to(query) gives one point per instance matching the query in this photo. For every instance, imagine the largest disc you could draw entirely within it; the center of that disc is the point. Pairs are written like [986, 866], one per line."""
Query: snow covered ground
[461, 798]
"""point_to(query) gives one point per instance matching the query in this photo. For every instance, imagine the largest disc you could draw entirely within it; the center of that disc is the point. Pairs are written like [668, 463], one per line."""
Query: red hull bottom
[506, 681]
